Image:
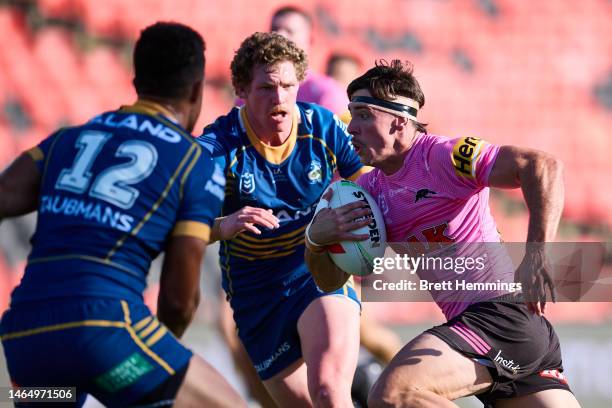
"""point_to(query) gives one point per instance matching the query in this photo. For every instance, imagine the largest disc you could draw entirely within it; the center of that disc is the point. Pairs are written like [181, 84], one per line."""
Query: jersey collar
[273, 154]
[148, 107]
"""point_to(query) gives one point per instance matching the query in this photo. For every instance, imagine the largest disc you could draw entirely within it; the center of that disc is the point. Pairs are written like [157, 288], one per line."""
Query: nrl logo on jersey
[314, 173]
[247, 183]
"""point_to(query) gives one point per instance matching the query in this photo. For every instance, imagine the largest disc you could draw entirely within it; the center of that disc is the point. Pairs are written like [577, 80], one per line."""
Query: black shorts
[520, 348]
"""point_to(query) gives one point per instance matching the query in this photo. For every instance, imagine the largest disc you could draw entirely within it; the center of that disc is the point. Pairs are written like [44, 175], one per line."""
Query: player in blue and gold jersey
[111, 195]
[278, 157]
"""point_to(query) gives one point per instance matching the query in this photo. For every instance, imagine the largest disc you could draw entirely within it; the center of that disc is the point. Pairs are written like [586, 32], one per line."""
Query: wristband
[311, 245]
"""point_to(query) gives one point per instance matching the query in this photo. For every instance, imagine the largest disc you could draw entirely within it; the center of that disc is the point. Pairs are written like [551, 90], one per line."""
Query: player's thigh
[289, 387]
[555, 398]
[203, 386]
[428, 363]
[329, 333]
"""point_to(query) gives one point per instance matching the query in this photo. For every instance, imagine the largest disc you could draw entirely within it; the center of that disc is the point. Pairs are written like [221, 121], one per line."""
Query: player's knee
[329, 394]
[389, 392]
[323, 397]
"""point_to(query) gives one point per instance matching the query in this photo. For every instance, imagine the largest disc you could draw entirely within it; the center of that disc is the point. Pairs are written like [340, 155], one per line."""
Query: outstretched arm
[540, 177]
[19, 185]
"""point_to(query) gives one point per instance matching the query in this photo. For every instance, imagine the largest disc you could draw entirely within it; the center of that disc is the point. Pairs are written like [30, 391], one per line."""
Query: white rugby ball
[356, 257]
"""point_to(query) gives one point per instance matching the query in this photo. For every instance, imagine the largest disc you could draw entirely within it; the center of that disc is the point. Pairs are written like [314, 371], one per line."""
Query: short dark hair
[337, 57]
[386, 80]
[265, 49]
[168, 60]
[283, 11]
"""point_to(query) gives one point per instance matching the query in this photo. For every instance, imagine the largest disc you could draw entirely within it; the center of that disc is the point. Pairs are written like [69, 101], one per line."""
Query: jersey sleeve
[212, 141]
[465, 163]
[347, 159]
[40, 152]
[203, 193]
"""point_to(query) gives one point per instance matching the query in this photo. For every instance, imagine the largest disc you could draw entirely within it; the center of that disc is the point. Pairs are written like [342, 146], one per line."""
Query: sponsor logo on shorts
[268, 361]
[125, 373]
[509, 364]
[554, 374]
[465, 154]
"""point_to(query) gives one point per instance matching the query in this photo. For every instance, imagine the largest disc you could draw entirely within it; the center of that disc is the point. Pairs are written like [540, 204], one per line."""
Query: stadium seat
[57, 8]
[8, 149]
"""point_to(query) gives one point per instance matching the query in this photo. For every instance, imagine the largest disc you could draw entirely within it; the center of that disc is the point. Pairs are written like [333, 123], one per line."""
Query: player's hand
[534, 275]
[330, 226]
[246, 219]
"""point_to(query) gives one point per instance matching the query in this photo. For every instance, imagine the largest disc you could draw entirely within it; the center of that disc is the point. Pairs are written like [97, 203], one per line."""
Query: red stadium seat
[57, 8]
[8, 150]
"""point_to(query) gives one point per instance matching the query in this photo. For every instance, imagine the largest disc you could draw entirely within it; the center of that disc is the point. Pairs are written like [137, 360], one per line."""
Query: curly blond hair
[266, 49]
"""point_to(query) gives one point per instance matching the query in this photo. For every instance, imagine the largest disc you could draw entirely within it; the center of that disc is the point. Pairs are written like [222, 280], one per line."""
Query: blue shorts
[114, 350]
[271, 338]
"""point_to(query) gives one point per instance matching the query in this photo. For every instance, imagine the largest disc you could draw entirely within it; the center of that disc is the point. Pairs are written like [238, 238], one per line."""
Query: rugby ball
[356, 257]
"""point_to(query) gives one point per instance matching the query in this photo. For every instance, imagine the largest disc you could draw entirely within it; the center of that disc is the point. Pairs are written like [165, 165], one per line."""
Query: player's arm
[179, 291]
[328, 227]
[19, 187]
[179, 286]
[540, 177]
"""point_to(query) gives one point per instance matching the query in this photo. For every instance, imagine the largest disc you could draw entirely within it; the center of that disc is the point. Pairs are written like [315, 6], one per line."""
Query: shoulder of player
[224, 132]
[134, 122]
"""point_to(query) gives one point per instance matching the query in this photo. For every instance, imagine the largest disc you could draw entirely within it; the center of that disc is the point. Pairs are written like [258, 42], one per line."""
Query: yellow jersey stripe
[188, 171]
[62, 326]
[49, 154]
[238, 241]
[193, 229]
[142, 323]
[253, 258]
[36, 153]
[363, 170]
[259, 252]
[254, 253]
[330, 152]
[162, 197]
[144, 333]
[143, 347]
[235, 159]
[156, 336]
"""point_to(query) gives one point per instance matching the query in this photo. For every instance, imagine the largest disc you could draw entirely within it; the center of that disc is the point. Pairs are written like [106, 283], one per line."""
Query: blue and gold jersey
[112, 192]
[289, 179]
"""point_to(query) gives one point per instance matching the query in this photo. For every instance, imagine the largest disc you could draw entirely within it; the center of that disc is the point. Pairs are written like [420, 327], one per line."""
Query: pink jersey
[324, 91]
[441, 195]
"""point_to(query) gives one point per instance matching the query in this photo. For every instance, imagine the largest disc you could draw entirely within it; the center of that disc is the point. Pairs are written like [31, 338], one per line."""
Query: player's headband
[401, 105]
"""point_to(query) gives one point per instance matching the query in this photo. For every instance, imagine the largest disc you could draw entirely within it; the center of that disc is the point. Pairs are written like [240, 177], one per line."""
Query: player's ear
[241, 93]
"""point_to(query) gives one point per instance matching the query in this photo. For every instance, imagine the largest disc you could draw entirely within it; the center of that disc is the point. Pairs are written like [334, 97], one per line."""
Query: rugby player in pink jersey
[433, 189]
